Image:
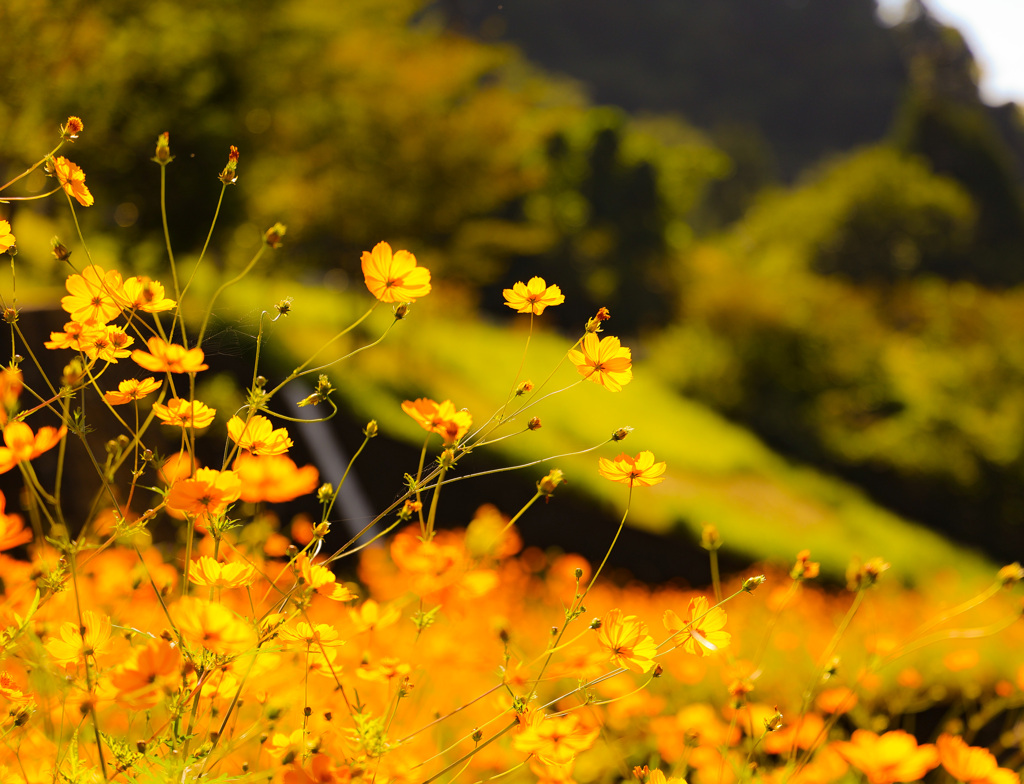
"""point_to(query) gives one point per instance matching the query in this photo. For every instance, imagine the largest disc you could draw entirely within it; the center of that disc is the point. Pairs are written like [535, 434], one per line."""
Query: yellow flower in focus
[639, 471]
[627, 641]
[147, 295]
[131, 389]
[7, 239]
[259, 436]
[72, 179]
[76, 642]
[93, 296]
[212, 626]
[185, 413]
[532, 297]
[210, 572]
[885, 759]
[394, 277]
[555, 739]
[702, 629]
[205, 495]
[169, 357]
[606, 361]
[321, 580]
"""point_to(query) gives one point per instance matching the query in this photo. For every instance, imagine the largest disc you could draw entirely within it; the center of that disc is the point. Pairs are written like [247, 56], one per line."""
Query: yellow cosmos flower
[394, 277]
[533, 297]
[321, 580]
[147, 295]
[93, 296]
[440, 418]
[627, 640]
[185, 413]
[212, 626]
[639, 471]
[131, 389]
[311, 636]
[72, 179]
[75, 641]
[109, 344]
[606, 362]
[555, 739]
[169, 357]
[885, 759]
[207, 494]
[259, 436]
[210, 572]
[6, 238]
[702, 628]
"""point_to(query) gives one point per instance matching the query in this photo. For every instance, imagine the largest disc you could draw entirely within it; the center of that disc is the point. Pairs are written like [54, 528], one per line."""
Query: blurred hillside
[798, 217]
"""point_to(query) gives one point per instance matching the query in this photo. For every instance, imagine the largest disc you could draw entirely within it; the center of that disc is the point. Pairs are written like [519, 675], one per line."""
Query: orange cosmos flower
[441, 418]
[10, 689]
[207, 494]
[605, 362]
[533, 297]
[212, 626]
[394, 277]
[894, 756]
[93, 296]
[11, 384]
[169, 357]
[627, 640]
[22, 444]
[555, 739]
[210, 572]
[639, 471]
[963, 762]
[259, 436]
[6, 238]
[369, 618]
[146, 295]
[131, 389]
[12, 528]
[702, 627]
[185, 413]
[72, 179]
[74, 336]
[138, 682]
[274, 478]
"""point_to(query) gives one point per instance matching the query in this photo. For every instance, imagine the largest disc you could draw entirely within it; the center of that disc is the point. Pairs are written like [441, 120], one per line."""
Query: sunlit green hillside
[764, 506]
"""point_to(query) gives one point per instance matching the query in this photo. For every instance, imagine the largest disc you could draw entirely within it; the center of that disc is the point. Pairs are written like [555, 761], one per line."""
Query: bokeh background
[806, 222]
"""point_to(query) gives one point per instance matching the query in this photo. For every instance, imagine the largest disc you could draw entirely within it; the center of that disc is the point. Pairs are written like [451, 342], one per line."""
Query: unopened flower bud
[752, 583]
[163, 149]
[579, 574]
[325, 492]
[447, 459]
[534, 424]
[1011, 574]
[60, 250]
[10, 315]
[401, 310]
[595, 624]
[710, 539]
[548, 484]
[371, 430]
[658, 671]
[410, 509]
[773, 723]
[477, 736]
[284, 307]
[621, 433]
[522, 389]
[273, 235]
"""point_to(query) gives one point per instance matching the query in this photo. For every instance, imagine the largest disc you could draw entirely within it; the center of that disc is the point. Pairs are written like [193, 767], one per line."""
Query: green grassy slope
[765, 506]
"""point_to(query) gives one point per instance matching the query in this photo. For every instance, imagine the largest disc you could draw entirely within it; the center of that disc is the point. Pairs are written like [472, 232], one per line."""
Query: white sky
[994, 29]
